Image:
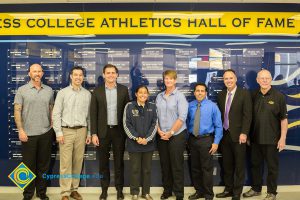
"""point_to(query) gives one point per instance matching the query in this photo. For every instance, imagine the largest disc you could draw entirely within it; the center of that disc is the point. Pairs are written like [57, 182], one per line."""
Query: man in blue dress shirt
[205, 132]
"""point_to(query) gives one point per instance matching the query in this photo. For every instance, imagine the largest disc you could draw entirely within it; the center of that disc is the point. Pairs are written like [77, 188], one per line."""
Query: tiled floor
[13, 193]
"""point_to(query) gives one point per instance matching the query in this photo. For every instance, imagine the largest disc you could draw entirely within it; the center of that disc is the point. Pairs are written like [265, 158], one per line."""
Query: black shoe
[103, 195]
[224, 194]
[42, 196]
[27, 198]
[210, 198]
[179, 198]
[120, 195]
[165, 195]
[196, 195]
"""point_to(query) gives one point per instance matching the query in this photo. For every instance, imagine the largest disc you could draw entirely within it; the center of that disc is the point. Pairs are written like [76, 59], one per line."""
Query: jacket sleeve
[127, 123]
[94, 113]
[154, 123]
[247, 113]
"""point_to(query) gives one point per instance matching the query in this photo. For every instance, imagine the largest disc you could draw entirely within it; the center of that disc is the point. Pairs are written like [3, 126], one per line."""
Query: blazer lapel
[103, 94]
[223, 99]
[235, 98]
[118, 98]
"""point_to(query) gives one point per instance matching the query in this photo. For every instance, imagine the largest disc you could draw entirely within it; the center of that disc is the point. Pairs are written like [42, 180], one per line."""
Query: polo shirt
[35, 108]
[269, 109]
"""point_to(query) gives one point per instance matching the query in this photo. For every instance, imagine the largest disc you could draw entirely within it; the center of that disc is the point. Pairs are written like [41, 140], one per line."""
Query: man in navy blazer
[107, 108]
[236, 108]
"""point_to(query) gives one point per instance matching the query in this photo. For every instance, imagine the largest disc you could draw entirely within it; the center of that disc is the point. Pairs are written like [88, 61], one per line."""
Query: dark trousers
[140, 172]
[36, 154]
[202, 165]
[116, 140]
[259, 154]
[234, 159]
[172, 163]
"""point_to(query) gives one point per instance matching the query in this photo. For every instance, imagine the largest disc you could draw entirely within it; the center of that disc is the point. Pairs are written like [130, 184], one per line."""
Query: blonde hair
[170, 73]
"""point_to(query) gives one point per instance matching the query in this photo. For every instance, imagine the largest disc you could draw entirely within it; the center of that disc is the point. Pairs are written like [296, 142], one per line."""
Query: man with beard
[32, 111]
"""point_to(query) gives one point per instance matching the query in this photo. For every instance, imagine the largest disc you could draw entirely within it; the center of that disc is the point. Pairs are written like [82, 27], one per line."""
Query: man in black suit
[107, 107]
[236, 107]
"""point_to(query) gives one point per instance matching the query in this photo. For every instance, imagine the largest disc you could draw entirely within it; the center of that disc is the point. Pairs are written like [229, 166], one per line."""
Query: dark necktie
[197, 121]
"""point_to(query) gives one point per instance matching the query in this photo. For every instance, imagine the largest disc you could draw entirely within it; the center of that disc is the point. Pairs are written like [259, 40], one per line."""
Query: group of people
[108, 119]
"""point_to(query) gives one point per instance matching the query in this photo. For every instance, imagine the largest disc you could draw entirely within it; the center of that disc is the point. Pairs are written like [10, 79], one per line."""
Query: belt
[112, 126]
[73, 127]
[202, 136]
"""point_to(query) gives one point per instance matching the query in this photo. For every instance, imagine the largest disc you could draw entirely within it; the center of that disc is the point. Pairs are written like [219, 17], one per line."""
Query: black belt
[202, 135]
[73, 127]
[112, 126]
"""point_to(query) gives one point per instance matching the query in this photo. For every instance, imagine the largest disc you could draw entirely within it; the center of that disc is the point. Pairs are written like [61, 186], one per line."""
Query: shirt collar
[268, 93]
[141, 104]
[233, 91]
[74, 89]
[115, 86]
[201, 102]
[172, 93]
[32, 86]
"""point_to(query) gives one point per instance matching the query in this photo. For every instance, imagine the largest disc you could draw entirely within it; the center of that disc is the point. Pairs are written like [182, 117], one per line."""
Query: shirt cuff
[59, 133]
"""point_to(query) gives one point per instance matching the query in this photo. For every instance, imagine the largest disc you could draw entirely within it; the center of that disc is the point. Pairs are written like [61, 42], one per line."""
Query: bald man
[33, 105]
[269, 134]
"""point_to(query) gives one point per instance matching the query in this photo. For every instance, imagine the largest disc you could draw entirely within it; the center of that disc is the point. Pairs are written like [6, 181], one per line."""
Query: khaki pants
[71, 157]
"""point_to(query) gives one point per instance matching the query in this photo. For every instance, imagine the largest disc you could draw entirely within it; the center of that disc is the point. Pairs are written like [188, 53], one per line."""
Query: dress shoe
[209, 198]
[103, 195]
[179, 198]
[65, 198]
[251, 193]
[196, 195]
[224, 194]
[42, 196]
[165, 195]
[27, 198]
[76, 195]
[120, 195]
[270, 197]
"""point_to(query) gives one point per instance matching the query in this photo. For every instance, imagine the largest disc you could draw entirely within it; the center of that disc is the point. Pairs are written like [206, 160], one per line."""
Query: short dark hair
[201, 84]
[141, 86]
[110, 66]
[77, 68]
[229, 70]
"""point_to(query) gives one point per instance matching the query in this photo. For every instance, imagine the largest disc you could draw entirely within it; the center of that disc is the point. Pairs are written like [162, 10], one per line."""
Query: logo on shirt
[135, 112]
[271, 102]
[149, 109]
[22, 176]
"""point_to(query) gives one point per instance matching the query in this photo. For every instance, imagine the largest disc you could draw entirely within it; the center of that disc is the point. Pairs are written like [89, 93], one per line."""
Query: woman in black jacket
[140, 125]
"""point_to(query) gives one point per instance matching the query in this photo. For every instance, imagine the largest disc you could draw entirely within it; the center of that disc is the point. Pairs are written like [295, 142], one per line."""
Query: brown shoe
[65, 198]
[76, 195]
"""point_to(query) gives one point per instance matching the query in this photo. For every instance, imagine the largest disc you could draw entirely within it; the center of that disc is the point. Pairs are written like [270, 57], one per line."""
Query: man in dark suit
[236, 107]
[107, 107]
